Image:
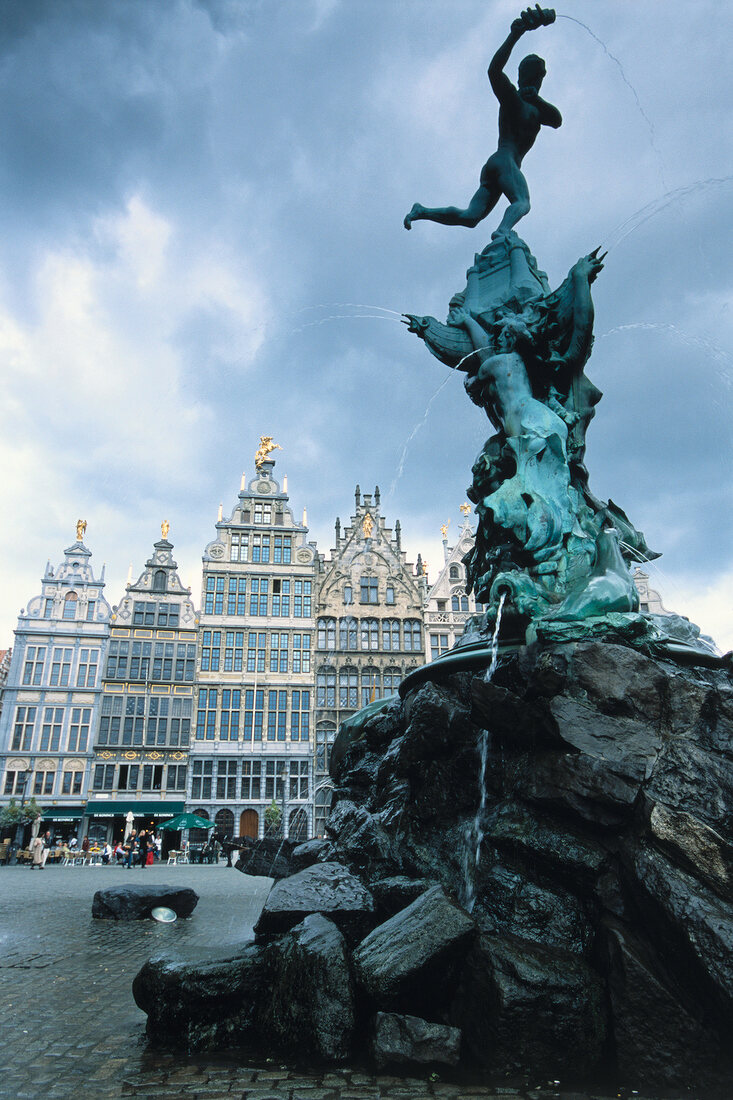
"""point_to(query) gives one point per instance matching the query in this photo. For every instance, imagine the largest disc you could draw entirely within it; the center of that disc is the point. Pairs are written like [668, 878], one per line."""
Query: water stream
[474, 833]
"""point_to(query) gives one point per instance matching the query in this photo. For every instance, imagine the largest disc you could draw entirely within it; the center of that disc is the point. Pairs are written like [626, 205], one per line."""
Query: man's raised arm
[529, 20]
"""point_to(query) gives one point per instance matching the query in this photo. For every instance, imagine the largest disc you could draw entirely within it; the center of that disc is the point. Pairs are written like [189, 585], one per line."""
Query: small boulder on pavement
[136, 902]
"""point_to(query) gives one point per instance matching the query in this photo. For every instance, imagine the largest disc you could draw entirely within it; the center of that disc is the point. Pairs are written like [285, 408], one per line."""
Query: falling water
[474, 833]
[629, 85]
[657, 206]
[413, 433]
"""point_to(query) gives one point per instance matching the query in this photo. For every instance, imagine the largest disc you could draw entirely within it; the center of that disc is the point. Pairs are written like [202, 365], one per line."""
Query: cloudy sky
[201, 241]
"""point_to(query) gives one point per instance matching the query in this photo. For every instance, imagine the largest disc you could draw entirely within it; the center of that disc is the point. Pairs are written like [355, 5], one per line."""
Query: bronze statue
[521, 114]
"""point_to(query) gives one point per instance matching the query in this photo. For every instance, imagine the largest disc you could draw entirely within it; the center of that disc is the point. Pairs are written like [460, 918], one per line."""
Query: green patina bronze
[544, 540]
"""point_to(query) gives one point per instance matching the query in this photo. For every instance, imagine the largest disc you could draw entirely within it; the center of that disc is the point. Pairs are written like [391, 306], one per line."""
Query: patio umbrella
[188, 821]
[129, 821]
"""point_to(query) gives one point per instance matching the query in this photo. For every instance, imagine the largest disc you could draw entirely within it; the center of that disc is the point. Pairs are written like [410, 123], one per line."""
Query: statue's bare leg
[514, 186]
[482, 203]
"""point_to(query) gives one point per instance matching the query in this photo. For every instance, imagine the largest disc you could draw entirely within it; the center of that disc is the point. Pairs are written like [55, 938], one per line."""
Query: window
[263, 512]
[455, 573]
[325, 737]
[438, 645]
[412, 635]
[237, 596]
[206, 717]
[91, 605]
[185, 662]
[104, 777]
[176, 777]
[156, 732]
[117, 661]
[261, 548]
[441, 605]
[70, 602]
[163, 661]
[258, 595]
[210, 650]
[152, 777]
[348, 594]
[214, 595]
[251, 779]
[109, 723]
[203, 773]
[275, 771]
[278, 652]
[459, 603]
[143, 614]
[389, 594]
[226, 779]
[302, 599]
[48, 609]
[129, 777]
[159, 580]
[180, 728]
[44, 783]
[392, 679]
[14, 783]
[301, 652]
[169, 615]
[277, 713]
[299, 779]
[369, 590]
[282, 550]
[88, 663]
[23, 729]
[281, 598]
[234, 650]
[134, 726]
[326, 633]
[369, 634]
[300, 716]
[71, 782]
[51, 729]
[240, 546]
[326, 688]
[256, 652]
[370, 689]
[230, 707]
[79, 728]
[348, 688]
[348, 633]
[60, 668]
[391, 634]
[254, 706]
[33, 667]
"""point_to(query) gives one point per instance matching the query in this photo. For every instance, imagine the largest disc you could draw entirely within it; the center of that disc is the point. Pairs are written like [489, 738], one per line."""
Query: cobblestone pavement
[70, 1027]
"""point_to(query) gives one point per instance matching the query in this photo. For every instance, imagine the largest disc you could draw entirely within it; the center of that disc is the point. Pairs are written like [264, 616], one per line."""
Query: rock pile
[579, 925]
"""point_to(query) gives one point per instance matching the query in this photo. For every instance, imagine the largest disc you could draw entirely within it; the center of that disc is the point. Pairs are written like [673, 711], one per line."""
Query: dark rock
[308, 1010]
[409, 961]
[397, 892]
[526, 1008]
[629, 746]
[408, 1040]
[619, 681]
[694, 846]
[589, 787]
[266, 858]
[658, 1041]
[202, 999]
[515, 723]
[689, 778]
[135, 902]
[562, 851]
[310, 852]
[360, 837]
[326, 888]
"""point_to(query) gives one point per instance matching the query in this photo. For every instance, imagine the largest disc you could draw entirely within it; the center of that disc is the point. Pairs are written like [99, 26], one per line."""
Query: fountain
[568, 915]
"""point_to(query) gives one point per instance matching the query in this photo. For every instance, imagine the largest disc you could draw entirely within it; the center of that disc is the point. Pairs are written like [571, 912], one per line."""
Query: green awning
[140, 809]
[63, 813]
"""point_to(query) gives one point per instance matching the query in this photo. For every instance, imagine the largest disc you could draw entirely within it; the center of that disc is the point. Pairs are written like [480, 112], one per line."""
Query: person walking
[47, 845]
[130, 847]
[143, 847]
[37, 853]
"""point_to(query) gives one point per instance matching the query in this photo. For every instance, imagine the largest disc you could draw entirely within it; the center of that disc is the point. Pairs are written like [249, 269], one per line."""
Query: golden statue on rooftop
[81, 526]
[264, 449]
[465, 508]
[165, 528]
[367, 525]
[444, 529]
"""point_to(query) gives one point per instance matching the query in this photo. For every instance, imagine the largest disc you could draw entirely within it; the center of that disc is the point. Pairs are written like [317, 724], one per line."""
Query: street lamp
[21, 826]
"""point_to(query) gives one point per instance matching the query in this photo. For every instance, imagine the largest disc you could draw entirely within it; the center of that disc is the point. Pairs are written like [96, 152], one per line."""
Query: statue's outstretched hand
[590, 266]
[532, 18]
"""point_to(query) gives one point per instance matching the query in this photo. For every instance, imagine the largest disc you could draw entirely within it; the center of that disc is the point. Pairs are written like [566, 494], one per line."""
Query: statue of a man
[521, 114]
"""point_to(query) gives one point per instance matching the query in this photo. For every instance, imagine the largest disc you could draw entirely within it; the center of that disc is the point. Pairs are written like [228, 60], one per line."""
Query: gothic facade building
[142, 735]
[251, 756]
[52, 694]
[448, 605]
[369, 627]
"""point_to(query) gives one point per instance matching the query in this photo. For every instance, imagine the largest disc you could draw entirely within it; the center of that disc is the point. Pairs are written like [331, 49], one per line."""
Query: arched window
[348, 633]
[326, 688]
[199, 836]
[325, 737]
[370, 634]
[455, 573]
[348, 688]
[298, 826]
[412, 634]
[370, 685]
[392, 679]
[455, 604]
[159, 580]
[391, 634]
[70, 602]
[224, 822]
[326, 633]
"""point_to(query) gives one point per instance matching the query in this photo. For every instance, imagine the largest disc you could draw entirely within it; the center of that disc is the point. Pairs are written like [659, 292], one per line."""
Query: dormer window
[159, 580]
[70, 602]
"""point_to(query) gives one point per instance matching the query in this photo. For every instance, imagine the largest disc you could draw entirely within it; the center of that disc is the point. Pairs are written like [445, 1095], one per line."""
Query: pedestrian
[130, 847]
[85, 845]
[143, 847]
[47, 845]
[37, 853]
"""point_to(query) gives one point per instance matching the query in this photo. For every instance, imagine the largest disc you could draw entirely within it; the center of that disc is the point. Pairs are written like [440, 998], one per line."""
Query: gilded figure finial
[264, 449]
[444, 529]
[81, 526]
[165, 528]
[465, 508]
[367, 525]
